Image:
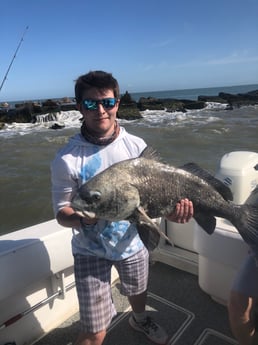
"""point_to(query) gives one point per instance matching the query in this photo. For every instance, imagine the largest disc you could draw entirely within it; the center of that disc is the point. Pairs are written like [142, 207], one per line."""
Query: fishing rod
[14, 56]
[36, 306]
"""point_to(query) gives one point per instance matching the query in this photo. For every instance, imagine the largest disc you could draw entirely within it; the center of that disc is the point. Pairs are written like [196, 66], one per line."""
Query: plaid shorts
[93, 278]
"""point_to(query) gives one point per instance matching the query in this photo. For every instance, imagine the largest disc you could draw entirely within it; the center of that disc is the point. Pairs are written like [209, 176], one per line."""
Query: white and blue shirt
[77, 162]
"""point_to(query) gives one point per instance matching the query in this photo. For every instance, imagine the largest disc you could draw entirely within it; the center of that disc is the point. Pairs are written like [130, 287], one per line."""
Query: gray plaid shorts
[93, 277]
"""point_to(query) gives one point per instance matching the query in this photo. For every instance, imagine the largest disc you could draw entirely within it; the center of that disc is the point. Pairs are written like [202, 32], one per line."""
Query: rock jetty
[128, 109]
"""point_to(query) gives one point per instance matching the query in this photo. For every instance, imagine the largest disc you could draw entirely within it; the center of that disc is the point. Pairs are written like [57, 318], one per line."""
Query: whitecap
[68, 119]
[216, 106]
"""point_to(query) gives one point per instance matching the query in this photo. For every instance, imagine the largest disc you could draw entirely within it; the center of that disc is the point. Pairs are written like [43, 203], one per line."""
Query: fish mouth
[79, 206]
[87, 214]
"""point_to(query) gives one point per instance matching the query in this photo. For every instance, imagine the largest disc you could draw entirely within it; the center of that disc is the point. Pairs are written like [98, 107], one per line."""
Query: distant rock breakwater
[128, 109]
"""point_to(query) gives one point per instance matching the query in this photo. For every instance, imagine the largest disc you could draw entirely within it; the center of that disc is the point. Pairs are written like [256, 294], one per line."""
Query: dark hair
[95, 79]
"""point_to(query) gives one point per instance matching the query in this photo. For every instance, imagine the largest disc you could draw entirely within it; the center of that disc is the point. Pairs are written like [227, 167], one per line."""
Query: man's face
[99, 121]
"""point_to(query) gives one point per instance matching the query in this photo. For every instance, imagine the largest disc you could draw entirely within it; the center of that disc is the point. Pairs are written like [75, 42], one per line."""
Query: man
[98, 244]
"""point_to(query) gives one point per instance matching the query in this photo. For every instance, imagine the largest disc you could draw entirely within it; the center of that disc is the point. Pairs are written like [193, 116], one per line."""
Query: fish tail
[246, 222]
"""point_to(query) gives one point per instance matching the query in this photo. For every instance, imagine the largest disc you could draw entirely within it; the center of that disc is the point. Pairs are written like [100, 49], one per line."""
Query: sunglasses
[92, 104]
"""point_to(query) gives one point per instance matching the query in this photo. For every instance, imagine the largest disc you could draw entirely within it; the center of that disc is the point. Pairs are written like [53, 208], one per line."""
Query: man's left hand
[183, 212]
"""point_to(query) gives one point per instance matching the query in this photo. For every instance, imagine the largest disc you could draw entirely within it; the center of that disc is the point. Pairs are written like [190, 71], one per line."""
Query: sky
[148, 45]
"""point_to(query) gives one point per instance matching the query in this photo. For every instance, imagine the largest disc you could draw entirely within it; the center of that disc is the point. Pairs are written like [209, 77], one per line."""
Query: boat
[189, 280]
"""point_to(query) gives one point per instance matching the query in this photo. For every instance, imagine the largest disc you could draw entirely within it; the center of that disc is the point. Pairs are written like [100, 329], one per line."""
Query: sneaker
[150, 328]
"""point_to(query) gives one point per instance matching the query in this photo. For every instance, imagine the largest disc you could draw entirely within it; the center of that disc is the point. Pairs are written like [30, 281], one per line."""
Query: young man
[98, 244]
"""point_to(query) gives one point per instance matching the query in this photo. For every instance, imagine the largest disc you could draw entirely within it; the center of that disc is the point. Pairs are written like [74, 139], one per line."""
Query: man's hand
[72, 219]
[183, 212]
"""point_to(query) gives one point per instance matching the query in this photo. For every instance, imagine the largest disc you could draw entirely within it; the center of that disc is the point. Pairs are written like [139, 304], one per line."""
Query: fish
[145, 188]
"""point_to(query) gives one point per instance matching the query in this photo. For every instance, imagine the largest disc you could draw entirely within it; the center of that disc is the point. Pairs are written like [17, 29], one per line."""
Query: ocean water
[194, 93]
[201, 136]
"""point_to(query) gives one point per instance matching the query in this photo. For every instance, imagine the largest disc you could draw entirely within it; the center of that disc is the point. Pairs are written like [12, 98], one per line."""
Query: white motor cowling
[239, 171]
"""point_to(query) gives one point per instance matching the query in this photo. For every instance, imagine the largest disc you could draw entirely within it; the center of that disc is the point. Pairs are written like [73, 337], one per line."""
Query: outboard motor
[239, 171]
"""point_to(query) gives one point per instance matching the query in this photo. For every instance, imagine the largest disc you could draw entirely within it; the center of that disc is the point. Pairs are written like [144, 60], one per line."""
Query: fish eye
[95, 195]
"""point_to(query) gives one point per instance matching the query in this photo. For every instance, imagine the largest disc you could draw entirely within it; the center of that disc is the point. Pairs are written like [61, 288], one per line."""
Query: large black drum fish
[143, 188]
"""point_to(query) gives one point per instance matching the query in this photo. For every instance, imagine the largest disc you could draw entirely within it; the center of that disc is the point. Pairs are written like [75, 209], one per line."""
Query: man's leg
[92, 277]
[242, 300]
[240, 311]
[133, 274]
[138, 302]
[91, 338]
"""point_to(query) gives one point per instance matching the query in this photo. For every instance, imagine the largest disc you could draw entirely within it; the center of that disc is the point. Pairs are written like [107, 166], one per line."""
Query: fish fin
[150, 153]
[246, 222]
[253, 198]
[146, 222]
[149, 236]
[206, 221]
[220, 187]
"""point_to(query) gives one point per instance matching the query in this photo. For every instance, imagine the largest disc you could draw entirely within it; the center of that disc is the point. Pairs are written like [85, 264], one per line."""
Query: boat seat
[32, 254]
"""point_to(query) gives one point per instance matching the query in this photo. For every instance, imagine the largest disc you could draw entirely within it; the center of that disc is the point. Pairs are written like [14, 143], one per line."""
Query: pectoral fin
[149, 236]
[206, 221]
[148, 230]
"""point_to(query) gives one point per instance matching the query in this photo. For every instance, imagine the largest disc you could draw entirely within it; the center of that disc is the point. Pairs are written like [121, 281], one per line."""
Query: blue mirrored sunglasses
[92, 104]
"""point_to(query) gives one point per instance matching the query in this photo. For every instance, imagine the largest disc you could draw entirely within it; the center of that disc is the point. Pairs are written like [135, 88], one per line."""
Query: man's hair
[95, 79]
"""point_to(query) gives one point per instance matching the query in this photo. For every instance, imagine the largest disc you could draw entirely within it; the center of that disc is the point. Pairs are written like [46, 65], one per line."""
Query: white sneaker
[150, 328]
